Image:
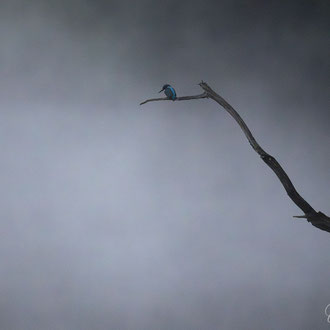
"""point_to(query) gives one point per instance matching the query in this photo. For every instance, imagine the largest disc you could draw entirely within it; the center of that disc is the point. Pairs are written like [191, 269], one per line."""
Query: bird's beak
[161, 90]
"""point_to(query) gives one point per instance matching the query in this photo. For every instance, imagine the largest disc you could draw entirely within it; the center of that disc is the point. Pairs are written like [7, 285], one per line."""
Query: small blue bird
[169, 91]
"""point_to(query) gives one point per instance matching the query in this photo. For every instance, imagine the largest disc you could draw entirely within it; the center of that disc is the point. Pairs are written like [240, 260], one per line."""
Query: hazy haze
[116, 216]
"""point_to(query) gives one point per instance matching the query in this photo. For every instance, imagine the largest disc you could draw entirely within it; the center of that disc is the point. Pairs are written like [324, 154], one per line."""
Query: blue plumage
[169, 91]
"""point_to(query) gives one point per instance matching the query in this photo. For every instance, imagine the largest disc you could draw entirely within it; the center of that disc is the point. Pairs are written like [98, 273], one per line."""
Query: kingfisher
[169, 91]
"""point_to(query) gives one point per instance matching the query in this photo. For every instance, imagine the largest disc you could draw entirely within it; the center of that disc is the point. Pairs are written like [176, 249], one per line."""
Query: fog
[120, 216]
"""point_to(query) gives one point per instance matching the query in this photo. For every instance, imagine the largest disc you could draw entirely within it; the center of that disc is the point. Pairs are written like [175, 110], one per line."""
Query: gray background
[116, 216]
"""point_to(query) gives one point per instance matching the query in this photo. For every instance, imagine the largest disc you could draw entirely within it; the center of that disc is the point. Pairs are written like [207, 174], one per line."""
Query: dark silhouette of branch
[317, 219]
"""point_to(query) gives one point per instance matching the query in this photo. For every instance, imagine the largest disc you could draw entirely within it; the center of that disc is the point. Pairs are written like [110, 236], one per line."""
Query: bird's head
[164, 87]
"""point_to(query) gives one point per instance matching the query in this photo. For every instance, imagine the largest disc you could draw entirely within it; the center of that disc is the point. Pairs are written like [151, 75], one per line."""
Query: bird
[169, 91]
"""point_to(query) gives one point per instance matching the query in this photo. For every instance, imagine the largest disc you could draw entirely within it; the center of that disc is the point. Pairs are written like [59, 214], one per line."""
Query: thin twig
[179, 98]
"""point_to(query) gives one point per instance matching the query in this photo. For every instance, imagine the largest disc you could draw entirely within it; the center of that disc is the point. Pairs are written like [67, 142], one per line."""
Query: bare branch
[179, 98]
[317, 219]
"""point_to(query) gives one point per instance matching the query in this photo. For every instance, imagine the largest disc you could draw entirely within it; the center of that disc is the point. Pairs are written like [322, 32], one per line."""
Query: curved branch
[317, 219]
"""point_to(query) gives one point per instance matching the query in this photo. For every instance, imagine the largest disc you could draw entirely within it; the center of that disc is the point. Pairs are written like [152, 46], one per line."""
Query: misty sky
[162, 217]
